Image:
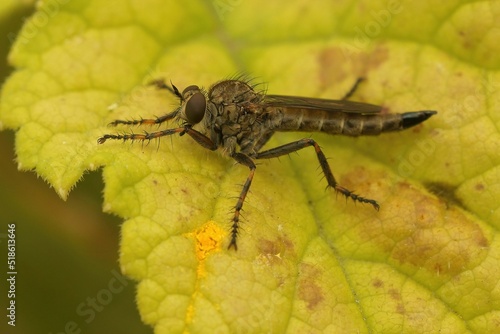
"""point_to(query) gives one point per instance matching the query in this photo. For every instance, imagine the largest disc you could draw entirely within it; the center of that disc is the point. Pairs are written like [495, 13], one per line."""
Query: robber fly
[234, 114]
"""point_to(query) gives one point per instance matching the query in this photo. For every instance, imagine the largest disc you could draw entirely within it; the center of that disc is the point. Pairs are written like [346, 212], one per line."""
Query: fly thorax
[232, 91]
[233, 119]
[237, 113]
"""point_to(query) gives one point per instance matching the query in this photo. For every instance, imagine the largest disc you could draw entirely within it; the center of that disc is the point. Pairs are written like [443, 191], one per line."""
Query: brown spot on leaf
[359, 178]
[394, 294]
[377, 283]
[338, 63]
[276, 249]
[479, 187]
[469, 40]
[276, 256]
[416, 228]
[308, 288]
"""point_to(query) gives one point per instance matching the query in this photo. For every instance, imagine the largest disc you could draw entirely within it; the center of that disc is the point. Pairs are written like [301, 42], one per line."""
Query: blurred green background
[68, 277]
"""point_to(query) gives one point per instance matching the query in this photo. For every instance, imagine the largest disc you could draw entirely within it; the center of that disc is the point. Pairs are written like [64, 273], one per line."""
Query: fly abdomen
[349, 123]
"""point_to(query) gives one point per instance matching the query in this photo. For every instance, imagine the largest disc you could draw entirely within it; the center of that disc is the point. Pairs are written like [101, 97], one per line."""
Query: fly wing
[320, 104]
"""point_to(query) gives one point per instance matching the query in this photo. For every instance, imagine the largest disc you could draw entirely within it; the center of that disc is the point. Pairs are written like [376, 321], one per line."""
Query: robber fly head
[194, 105]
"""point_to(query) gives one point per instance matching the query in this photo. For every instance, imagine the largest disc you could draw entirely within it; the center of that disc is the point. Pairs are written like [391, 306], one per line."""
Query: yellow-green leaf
[307, 261]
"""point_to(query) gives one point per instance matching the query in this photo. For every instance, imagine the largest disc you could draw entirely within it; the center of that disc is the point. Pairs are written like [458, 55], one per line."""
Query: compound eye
[195, 108]
[189, 88]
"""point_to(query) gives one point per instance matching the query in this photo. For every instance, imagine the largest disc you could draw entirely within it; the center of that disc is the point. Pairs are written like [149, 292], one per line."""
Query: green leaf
[307, 261]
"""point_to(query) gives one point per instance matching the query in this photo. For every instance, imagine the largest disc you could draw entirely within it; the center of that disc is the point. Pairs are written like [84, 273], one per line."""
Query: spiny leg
[160, 84]
[141, 136]
[197, 136]
[353, 89]
[150, 121]
[246, 161]
[300, 144]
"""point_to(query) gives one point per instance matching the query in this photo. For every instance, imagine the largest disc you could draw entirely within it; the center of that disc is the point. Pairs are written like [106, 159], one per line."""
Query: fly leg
[353, 89]
[157, 120]
[160, 84]
[197, 136]
[300, 144]
[263, 140]
[246, 161]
